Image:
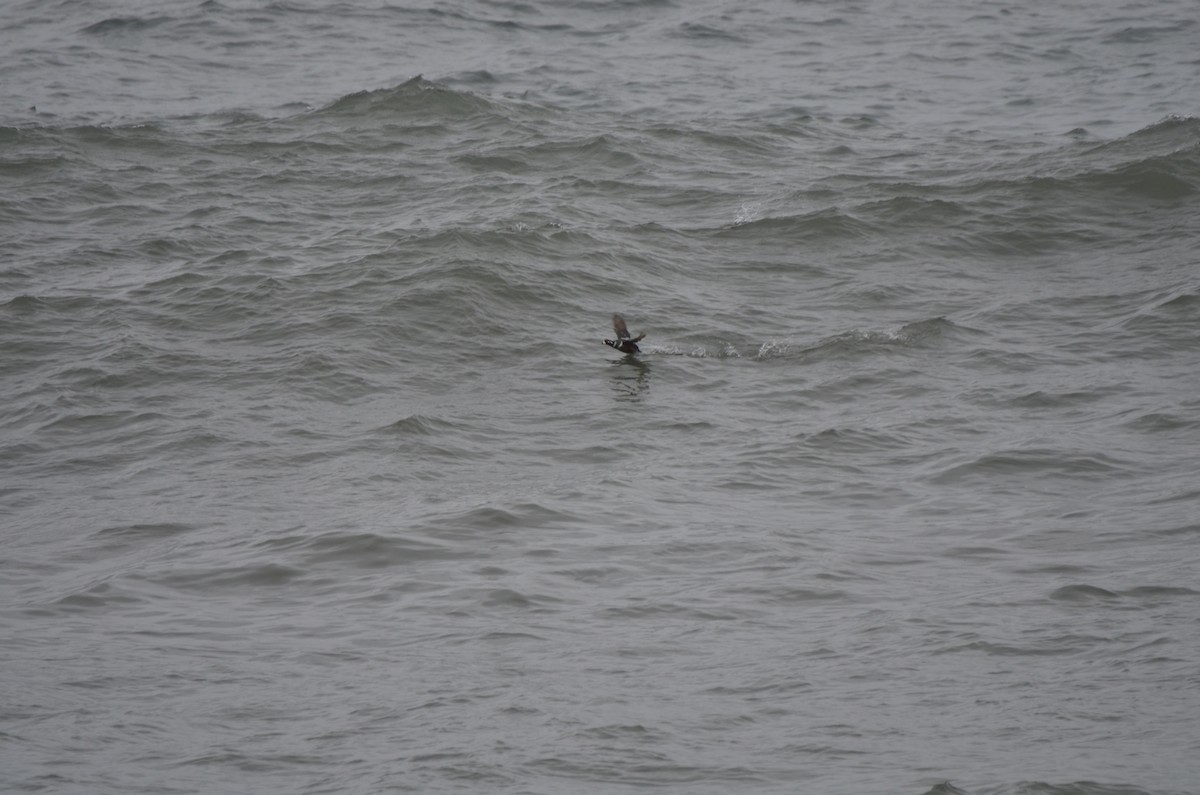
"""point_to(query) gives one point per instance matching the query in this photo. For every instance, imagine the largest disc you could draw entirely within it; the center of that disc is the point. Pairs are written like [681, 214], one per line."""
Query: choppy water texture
[316, 477]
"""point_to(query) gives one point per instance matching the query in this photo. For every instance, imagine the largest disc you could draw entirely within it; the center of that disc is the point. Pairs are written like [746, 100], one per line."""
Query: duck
[624, 343]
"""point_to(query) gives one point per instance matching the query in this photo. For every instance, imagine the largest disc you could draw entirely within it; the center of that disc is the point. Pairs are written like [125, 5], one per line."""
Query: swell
[114, 26]
[1069, 197]
[418, 101]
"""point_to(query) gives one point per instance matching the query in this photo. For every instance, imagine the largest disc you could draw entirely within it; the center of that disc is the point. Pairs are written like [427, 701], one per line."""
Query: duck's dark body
[624, 343]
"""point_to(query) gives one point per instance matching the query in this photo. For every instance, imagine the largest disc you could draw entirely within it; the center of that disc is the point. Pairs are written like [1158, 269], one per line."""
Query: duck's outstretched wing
[619, 328]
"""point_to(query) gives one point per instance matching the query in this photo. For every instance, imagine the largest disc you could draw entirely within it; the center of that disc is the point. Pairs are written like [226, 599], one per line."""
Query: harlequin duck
[624, 343]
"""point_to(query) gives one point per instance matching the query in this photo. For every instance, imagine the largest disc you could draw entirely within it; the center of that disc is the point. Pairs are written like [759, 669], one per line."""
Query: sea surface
[316, 477]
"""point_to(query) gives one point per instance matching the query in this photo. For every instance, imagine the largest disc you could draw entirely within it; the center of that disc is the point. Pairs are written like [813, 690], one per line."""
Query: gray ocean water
[315, 476]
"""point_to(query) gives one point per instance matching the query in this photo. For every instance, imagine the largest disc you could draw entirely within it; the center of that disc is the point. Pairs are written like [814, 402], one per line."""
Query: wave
[1034, 463]
[854, 440]
[1175, 124]
[1083, 593]
[830, 224]
[416, 98]
[1147, 34]
[1060, 198]
[96, 597]
[362, 549]
[1149, 595]
[706, 33]
[1044, 788]
[1161, 422]
[418, 425]
[144, 532]
[1160, 161]
[1167, 175]
[597, 150]
[122, 25]
[224, 579]
[429, 439]
[907, 209]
